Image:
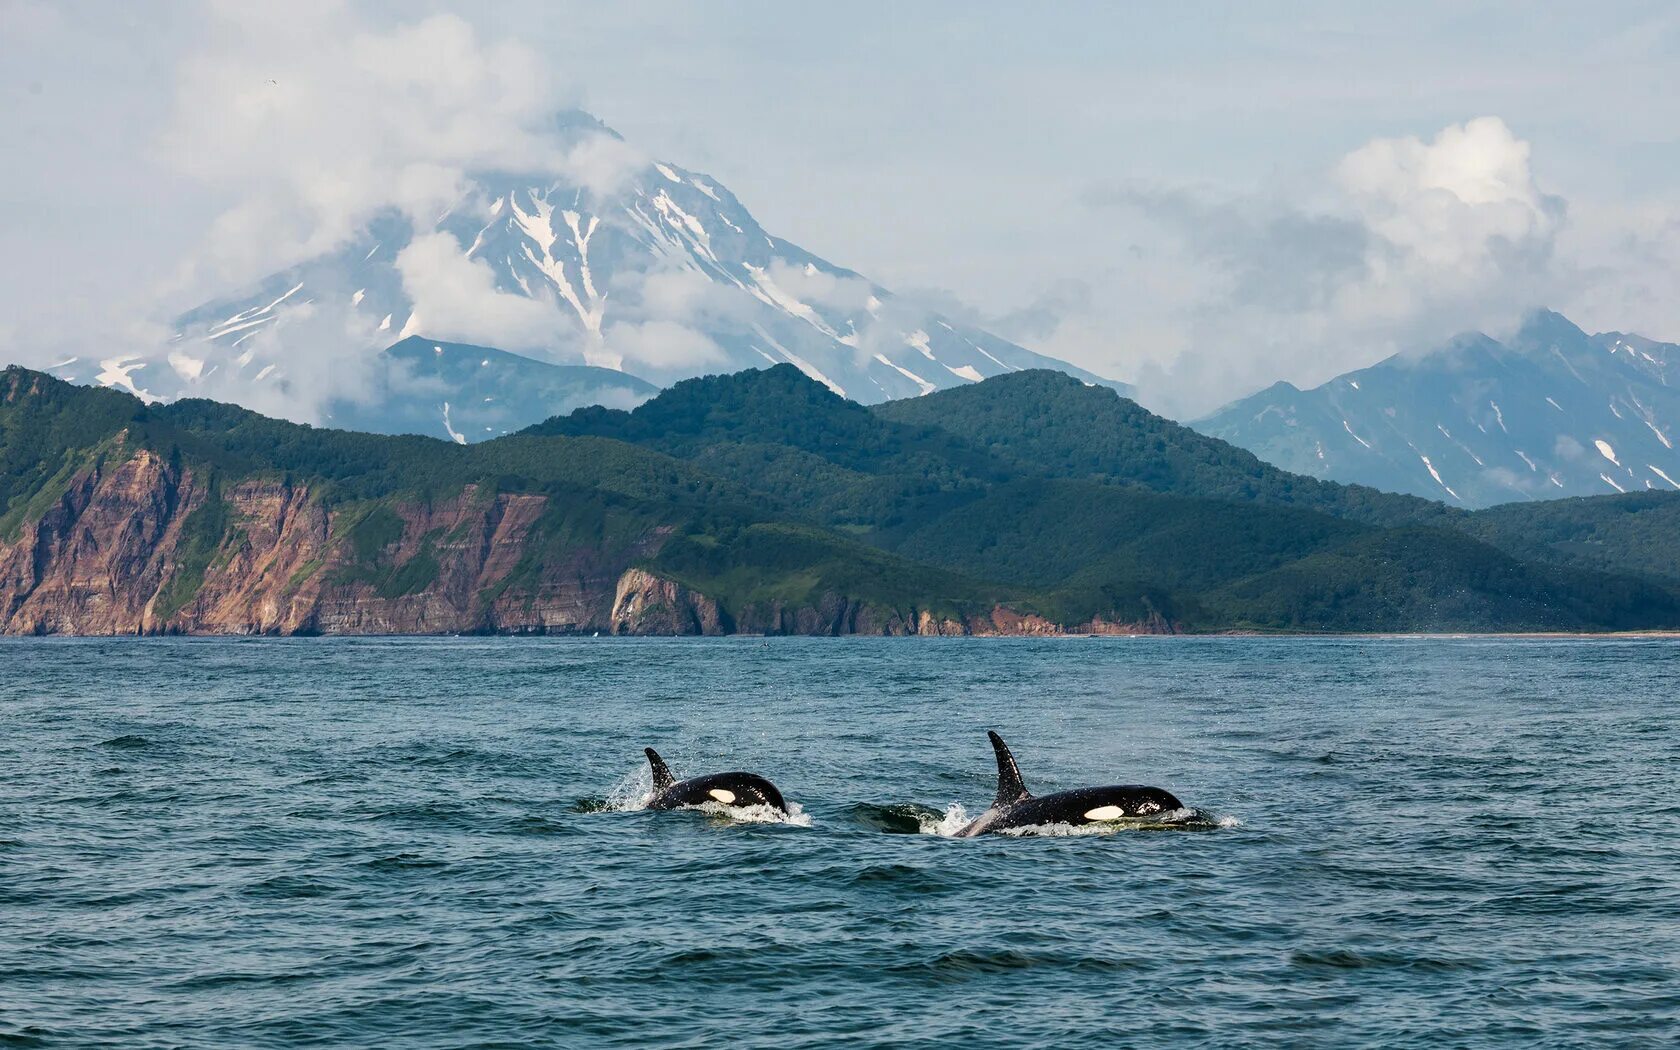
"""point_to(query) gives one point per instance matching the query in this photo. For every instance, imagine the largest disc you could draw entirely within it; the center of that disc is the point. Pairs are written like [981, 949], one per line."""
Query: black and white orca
[1016, 807]
[726, 789]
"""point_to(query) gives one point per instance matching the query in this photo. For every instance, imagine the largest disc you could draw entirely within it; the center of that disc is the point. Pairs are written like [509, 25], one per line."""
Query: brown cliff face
[276, 534]
[93, 561]
[138, 545]
[647, 604]
[117, 554]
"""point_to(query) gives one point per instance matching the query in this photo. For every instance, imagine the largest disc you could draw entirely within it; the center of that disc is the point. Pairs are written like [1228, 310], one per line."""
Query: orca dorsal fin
[662, 778]
[1010, 788]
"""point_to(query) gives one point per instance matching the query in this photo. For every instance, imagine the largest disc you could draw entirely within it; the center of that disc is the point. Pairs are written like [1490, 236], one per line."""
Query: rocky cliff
[134, 542]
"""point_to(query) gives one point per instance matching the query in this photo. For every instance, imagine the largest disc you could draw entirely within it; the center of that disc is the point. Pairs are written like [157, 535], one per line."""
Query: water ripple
[439, 843]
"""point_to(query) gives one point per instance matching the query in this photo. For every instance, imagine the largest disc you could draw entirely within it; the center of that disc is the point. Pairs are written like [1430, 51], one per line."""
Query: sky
[1198, 199]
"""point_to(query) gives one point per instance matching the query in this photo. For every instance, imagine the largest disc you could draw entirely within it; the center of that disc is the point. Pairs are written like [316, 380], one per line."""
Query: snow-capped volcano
[1551, 412]
[661, 275]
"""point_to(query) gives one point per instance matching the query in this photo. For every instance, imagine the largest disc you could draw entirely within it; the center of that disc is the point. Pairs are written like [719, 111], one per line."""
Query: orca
[726, 789]
[1016, 807]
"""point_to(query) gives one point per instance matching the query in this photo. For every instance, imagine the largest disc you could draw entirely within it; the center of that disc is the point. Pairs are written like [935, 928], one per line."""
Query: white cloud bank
[307, 121]
[1399, 245]
[302, 123]
[456, 299]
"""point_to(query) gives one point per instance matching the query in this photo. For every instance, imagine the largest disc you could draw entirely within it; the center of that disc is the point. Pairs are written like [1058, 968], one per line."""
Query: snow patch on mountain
[119, 372]
[925, 386]
[454, 435]
[1427, 465]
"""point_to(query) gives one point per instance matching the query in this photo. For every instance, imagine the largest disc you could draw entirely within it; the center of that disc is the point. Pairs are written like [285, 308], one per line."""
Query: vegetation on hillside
[1056, 425]
[772, 494]
[1638, 533]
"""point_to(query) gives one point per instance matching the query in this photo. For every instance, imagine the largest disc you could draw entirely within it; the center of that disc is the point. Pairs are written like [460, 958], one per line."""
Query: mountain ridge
[1551, 412]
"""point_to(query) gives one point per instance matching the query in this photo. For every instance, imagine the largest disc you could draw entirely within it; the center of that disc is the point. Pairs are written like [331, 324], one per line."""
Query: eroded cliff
[137, 543]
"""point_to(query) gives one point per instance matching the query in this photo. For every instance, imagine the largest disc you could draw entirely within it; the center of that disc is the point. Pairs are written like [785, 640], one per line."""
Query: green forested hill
[1059, 426]
[765, 491]
[1636, 533]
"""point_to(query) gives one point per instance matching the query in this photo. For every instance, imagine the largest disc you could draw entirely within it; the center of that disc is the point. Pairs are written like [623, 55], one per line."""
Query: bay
[426, 842]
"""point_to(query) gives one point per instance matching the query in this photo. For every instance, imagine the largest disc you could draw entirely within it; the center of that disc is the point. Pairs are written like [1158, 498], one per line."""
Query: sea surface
[434, 843]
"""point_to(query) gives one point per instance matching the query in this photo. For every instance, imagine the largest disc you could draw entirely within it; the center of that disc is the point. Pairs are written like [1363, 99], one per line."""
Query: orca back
[728, 789]
[735, 788]
[1016, 807]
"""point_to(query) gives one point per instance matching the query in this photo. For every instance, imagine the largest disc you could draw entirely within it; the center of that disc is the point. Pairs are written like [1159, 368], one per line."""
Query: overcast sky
[1202, 200]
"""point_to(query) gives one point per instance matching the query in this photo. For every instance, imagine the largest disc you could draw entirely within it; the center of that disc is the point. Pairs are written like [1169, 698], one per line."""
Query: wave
[762, 814]
[906, 818]
[126, 742]
[1349, 959]
[955, 817]
[947, 824]
[1177, 820]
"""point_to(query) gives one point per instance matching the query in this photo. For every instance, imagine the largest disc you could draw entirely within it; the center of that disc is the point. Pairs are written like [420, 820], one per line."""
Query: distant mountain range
[762, 501]
[606, 263]
[472, 393]
[1552, 412]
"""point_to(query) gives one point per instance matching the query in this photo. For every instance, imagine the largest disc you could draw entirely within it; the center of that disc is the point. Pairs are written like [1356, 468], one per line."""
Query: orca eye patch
[1105, 813]
[723, 795]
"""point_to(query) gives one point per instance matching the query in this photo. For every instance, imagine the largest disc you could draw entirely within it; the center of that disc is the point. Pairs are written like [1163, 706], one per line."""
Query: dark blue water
[399, 843]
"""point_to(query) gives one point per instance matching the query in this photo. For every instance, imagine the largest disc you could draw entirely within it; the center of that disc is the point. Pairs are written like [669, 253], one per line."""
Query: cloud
[299, 126]
[833, 293]
[1401, 244]
[660, 350]
[455, 298]
[1062, 301]
[601, 163]
[682, 295]
[309, 121]
[1040, 317]
[1455, 200]
[322, 353]
[1627, 255]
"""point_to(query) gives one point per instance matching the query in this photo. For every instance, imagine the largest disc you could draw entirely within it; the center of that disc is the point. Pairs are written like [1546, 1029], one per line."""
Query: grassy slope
[49, 431]
[1425, 579]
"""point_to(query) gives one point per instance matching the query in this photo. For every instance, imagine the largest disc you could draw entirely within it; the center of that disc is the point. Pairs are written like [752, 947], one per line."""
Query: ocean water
[432, 843]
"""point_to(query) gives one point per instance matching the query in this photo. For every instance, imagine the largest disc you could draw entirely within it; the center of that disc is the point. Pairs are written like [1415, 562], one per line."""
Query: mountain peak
[1542, 328]
[576, 123]
[650, 270]
[693, 405]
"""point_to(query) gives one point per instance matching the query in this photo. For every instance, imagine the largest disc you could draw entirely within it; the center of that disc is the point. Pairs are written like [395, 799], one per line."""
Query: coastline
[1372, 636]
